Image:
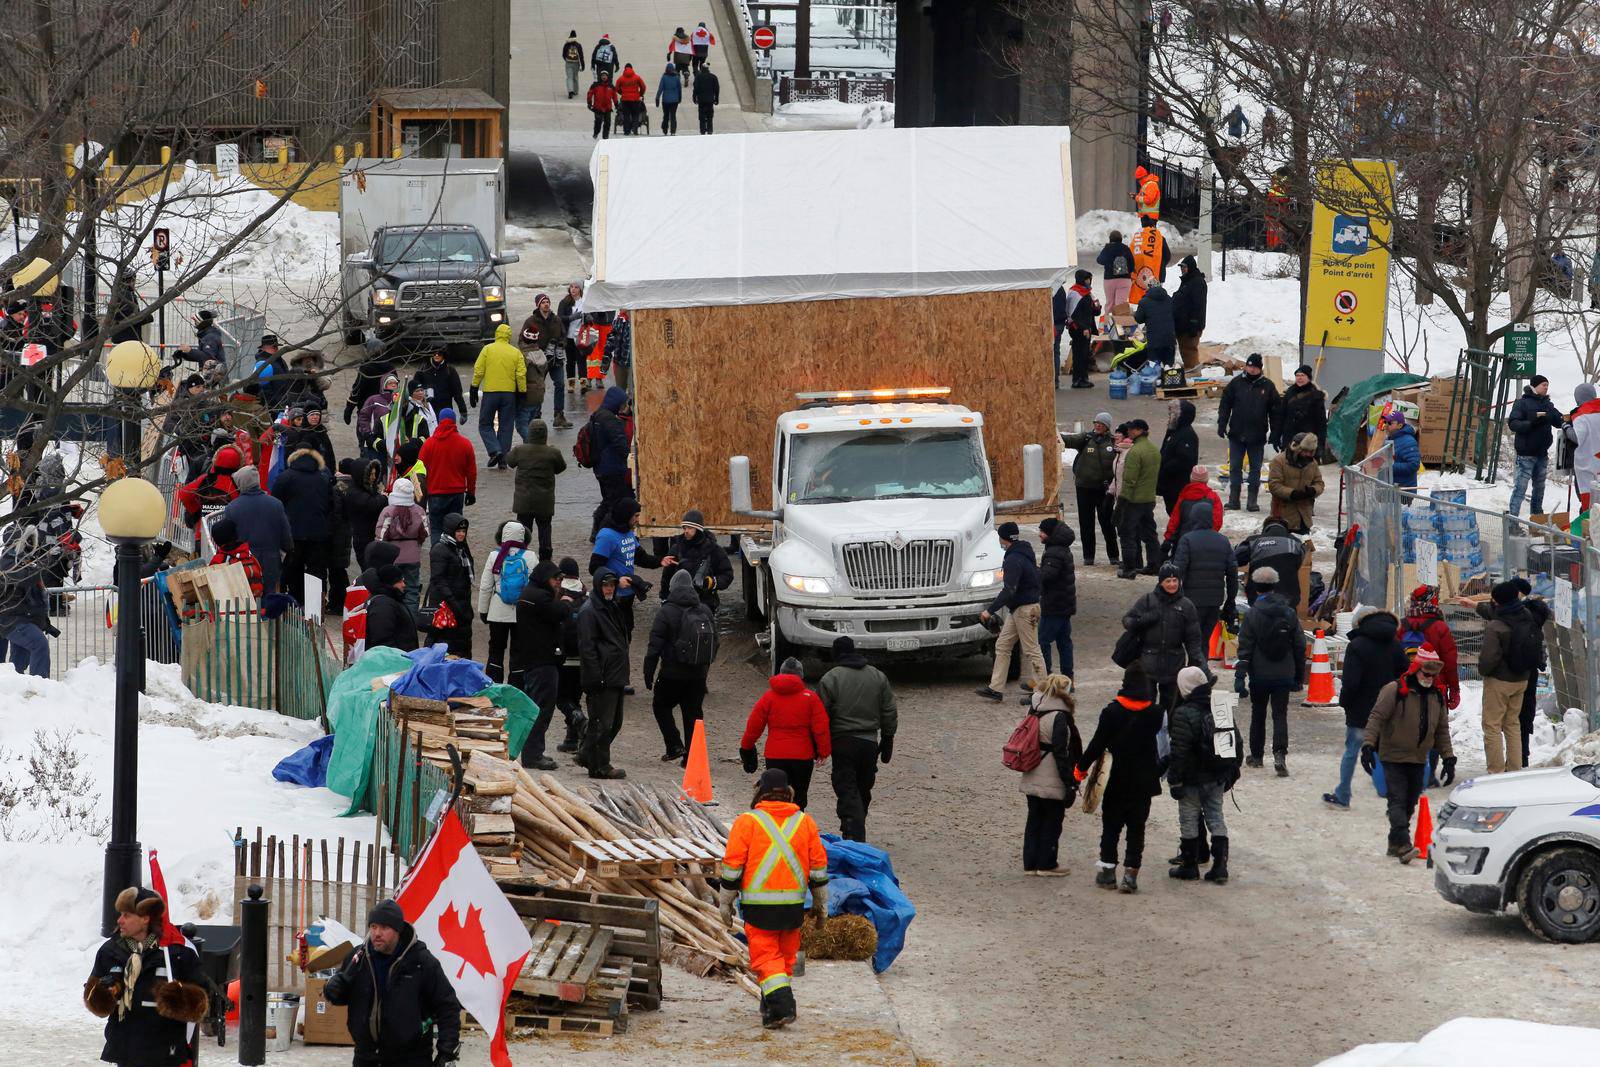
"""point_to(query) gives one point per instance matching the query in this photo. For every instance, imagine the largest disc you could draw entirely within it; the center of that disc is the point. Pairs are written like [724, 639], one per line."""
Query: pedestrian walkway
[640, 30]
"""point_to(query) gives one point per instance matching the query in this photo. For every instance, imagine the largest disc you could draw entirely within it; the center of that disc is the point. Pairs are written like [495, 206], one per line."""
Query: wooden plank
[551, 955]
[563, 1024]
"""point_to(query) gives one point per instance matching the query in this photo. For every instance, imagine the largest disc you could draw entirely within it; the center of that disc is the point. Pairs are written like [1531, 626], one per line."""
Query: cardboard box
[322, 1023]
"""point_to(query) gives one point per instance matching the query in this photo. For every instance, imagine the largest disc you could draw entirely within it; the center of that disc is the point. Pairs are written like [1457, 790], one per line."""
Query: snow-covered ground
[205, 769]
[1481, 1043]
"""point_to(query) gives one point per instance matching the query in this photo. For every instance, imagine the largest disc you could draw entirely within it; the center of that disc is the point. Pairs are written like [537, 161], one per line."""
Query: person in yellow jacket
[502, 375]
[774, 853]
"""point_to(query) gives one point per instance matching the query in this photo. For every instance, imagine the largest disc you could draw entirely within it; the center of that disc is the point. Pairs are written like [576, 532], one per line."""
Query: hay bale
[842, 937]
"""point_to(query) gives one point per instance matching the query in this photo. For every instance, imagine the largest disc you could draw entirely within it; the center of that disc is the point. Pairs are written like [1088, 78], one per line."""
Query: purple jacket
[407, 527]
[372, 412]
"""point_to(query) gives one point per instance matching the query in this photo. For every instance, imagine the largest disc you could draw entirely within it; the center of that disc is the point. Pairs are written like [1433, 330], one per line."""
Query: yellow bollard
[166, 154]
[338, 155]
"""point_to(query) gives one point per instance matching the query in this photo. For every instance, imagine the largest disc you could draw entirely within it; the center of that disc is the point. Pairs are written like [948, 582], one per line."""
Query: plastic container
[1117, 385]
[282, 1010]
[1149, 378]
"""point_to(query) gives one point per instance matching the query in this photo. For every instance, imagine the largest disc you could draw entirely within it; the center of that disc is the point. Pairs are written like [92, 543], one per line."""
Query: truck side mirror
[361, 261]
[1032, 479]
[739, 489]
[502, 258]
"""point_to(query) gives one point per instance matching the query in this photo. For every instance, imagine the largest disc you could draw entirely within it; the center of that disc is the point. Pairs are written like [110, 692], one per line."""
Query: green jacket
[1139, 472]
[859, 700]
[500, 367]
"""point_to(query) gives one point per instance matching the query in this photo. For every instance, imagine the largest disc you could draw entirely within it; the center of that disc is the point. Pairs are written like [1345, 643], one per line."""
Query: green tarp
[1346, 422]
[353, 709]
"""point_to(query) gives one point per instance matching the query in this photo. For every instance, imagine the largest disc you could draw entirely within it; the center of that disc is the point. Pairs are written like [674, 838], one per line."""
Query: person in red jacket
[1424, 617]
[232, 550]
[1198, 488]
[796, 725]
[214, 488]
[602, 101]
[630, 94]
[452, 468]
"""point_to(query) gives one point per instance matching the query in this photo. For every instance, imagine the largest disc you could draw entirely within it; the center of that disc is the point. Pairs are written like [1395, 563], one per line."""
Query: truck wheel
[1559, 895]
[354, 337]
[779, 648]
[748, 579]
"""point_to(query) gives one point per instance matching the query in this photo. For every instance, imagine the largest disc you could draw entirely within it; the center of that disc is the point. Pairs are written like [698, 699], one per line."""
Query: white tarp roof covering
[767, 218]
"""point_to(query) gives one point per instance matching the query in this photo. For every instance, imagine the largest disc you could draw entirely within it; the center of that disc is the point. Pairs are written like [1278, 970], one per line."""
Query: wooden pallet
[564, 1024]
[634, 961]
[564, 960]
[657, 857]
[1194, 390]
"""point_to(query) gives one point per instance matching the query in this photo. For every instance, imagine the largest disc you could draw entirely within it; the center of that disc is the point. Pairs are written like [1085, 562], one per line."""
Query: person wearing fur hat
[1270, 665]
[1199, 776]
[505, 563]
[148, 993]
[1294, 481]
[1127, 731]
[1408, 719]
[1302, 409]
[696, 550]
[402, 1010]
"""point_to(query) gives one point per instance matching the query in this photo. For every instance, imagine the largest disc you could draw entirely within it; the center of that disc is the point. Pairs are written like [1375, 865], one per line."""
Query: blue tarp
[432, 677]
[861, 881]
[309, 766]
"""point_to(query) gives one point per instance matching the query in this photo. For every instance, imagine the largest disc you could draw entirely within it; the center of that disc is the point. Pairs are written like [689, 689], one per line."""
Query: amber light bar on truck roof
[927, 392]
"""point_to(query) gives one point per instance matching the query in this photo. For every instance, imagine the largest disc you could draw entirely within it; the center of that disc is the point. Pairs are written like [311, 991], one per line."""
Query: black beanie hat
[843, 645]
[569, 567]
[1504, 593]
[1007, 531]
[387, 913]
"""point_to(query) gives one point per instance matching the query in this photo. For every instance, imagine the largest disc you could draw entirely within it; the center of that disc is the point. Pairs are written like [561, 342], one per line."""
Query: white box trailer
[414, 192]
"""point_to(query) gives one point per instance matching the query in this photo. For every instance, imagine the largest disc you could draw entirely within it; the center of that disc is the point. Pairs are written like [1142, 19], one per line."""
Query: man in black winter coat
[1373, 658]
[1180, 452]
[306, 491]
[263, 522]
[1189, 310]
[394, 983]
[603, 658]
[1127, 730]
[1019, 593]
[368, 381]
[1273, 547]
[706, 94]
[1533, 421]
[1246, 417]
[146, 992]
[537, 652]
[390, 624]
[1199, 775]
[1206, 569]
[1303, 409]
[1168, 625]
[1155, 311]
[442, 383]
[695, 550]
[680, 685]
[1271, 664]
[1058, 594]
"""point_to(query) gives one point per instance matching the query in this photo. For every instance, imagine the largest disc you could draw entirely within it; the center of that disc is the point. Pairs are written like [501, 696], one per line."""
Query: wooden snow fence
[555, 822]
[713, 368]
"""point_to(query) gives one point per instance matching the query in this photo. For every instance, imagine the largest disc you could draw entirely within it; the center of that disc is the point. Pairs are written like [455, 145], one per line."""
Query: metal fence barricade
[86, 615]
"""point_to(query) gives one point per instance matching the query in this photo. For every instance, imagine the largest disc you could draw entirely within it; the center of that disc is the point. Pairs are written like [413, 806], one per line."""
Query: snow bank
[1094, 230]
[833, 115]
[205, 769]
[1471, 1042]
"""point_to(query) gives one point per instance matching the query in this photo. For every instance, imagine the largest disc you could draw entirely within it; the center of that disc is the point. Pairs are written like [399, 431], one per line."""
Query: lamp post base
[124, 861]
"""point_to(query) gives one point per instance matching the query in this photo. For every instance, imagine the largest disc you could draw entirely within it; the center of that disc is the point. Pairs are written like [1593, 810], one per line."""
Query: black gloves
[483, 617]
[446, 1057]
[747, 756]
[349, 413]
[1448, 774]
[649, 678]
[472, 498]
[886, 748]
[1369, 759]
[474, 395]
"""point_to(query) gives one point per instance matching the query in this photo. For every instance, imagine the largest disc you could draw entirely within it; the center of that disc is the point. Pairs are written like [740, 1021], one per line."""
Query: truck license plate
[904, 644]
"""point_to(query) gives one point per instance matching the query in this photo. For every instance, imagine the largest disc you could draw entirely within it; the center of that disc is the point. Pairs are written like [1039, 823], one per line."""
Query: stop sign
[764, 37]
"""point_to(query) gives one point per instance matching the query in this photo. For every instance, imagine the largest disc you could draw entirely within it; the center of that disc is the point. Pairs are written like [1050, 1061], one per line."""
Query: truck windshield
[828, 468]
[432, 247]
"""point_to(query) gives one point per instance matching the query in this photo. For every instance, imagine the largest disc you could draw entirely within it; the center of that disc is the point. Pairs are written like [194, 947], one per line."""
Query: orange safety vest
[774, 851]
[1150, 197]
[1147, 247]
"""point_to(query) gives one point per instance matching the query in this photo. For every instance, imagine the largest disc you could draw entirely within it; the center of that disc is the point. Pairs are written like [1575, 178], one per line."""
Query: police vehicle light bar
[920, 392]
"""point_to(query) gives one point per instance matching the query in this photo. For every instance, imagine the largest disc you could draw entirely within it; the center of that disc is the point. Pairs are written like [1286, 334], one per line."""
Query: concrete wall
[319, 192]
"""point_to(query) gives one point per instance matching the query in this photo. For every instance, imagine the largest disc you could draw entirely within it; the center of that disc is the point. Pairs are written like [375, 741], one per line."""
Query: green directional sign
[1522, 345]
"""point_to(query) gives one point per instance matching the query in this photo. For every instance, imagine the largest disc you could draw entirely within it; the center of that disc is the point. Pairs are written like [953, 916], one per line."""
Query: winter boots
[1280, 763]
[576, 721]
[1219, 861]
[1130, 881]
[1106, 877]
[778, 1008]
[1187, 869]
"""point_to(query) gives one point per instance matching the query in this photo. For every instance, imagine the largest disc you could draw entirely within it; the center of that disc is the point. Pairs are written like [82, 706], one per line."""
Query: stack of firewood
[549, 816]
[472, 724]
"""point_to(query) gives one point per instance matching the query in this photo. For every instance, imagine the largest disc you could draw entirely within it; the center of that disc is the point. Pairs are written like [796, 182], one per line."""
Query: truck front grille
[436, 296]
[880, 566]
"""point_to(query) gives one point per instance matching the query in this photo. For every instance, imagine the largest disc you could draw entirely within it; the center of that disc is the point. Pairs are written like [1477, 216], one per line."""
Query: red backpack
[1022, 751]
[583, 447]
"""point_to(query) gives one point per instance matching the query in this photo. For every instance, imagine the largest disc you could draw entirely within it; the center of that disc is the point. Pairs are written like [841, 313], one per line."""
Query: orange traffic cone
[1219, 642]
[697, 772]
[1319, 693]
[1424, 838]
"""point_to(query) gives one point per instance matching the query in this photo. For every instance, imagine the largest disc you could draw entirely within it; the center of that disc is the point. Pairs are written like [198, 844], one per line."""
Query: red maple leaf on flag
[466, 940]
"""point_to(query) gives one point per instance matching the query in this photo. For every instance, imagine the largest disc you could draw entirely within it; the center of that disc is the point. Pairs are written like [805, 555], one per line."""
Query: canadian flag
[459, 913]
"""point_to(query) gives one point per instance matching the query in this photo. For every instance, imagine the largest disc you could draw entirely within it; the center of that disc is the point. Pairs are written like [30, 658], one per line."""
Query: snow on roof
[775, 217]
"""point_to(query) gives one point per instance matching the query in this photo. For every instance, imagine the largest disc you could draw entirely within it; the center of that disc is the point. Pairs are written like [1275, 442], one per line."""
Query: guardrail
[86, 615]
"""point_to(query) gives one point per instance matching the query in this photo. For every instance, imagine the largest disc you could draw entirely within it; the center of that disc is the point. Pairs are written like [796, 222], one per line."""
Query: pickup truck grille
[878, 566]
[433, 296]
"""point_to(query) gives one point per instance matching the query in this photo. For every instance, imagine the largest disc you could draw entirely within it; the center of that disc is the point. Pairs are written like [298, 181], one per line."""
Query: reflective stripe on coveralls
[780, 847]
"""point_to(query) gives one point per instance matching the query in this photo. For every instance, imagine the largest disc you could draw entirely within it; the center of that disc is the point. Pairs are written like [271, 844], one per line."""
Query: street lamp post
[131, 513]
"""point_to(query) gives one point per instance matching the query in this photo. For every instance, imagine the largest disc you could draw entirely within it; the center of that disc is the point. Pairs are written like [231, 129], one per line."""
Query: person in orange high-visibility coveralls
[1147, 197]
[774, 853]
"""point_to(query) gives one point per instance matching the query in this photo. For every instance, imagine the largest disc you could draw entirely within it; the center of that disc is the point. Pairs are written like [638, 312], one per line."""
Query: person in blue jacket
[669, 94]
[1407, 453]
[617, 549]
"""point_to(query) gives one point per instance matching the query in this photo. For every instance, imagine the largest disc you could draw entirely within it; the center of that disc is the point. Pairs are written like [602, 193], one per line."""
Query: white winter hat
[404, 494]
[1264, 576]
[1190, 679]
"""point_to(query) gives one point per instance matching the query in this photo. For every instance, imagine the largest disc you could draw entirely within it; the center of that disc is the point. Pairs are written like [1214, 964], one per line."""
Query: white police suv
[1531, 838]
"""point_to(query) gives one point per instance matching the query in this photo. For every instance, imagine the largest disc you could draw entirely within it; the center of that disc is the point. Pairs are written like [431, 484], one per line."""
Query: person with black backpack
[683, 645]
[1513, 648]
[862, 719]
[1270, 665]
[1204, 766]
[538, 649]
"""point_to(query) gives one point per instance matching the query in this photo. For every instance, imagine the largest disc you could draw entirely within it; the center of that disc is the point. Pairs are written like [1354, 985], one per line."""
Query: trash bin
[218, 947]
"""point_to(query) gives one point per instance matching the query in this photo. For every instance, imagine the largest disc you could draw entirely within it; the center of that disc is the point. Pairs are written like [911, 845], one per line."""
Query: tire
[779, 647]
[748, 587]
[354, 337]
[1558, 895]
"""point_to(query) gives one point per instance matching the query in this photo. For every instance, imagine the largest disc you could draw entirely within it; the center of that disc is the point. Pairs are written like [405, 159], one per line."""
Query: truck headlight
[802, 584]
[984, 579]
[383, 297]
[494, 294]
[1477, 820]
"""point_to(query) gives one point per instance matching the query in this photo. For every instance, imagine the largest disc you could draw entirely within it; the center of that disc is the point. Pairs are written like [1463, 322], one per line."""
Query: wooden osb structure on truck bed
[992, 350]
